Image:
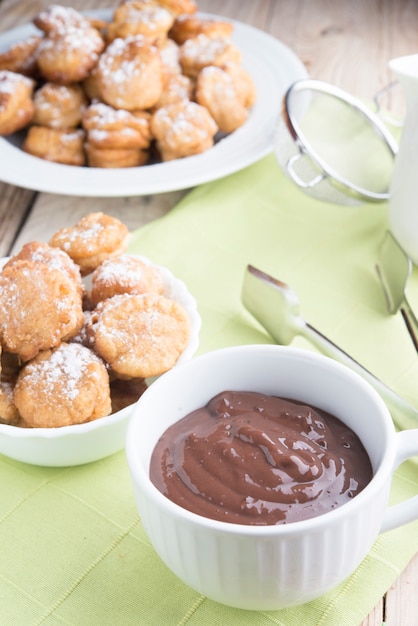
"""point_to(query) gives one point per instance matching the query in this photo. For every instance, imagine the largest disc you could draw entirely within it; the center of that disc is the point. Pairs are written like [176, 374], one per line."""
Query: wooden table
[346, 43]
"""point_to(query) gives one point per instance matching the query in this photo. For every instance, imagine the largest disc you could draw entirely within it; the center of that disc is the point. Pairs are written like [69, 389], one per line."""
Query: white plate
[273, 68]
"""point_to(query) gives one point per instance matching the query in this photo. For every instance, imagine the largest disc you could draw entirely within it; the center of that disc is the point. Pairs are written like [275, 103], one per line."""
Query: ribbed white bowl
[263, 567]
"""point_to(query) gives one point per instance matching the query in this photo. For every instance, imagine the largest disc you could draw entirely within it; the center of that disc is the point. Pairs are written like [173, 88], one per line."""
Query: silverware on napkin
[276, 307]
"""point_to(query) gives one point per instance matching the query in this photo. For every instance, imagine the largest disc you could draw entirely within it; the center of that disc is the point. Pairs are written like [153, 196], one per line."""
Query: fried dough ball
[59, 106]
[56, 258]
[190, 26]
[129, 74]
[226, 94]
[140, 17]
[16, 106]
[176, 7]
[68, 55]
[21, 57]
[40, 308]
[243, 83]
[183, 129]
[56, 144]
[64, 386]
[8, 411]
[177, 87]
[125, 274]
[201, 51]
[116, 128]
[115, 157]
[139, 335]
[57, 18]
[95, 238]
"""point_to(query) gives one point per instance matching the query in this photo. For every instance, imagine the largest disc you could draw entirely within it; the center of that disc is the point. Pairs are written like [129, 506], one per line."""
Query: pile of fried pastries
[154, 84]
[72, 354]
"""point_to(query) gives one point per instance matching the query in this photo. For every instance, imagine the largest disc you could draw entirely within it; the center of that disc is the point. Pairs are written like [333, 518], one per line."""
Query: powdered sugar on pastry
[197, 53]
[64, 386]
[125, 274]
[182, 129]
[16, 106]
[93, 239]
[37, 319]
[129, 73]
[139, 335]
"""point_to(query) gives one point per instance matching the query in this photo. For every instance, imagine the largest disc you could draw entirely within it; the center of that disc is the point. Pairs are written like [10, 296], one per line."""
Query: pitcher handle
[406, 511]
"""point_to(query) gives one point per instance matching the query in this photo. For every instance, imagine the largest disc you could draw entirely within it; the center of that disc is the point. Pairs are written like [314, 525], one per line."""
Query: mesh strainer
[333, 146]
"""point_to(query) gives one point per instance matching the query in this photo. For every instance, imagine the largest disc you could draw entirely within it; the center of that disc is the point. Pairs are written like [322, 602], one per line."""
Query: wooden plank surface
[347, 43]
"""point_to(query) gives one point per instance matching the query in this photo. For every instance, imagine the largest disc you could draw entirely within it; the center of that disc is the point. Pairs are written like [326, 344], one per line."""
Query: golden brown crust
[177, 87]
[183, 129]
[67, 56]
[129, 74]
[57, 18]
[40, 252]
[139, 335]
[35, 319]
[116, 128]
[190, 26]
[21, 57]
[59, 106]
[140, 17]
[55, 144]
[176, 7]
[60, 387]
[115, 157]
[226, 93]
[16, 106]
[201, 51]
[243, 83]
[95, 238]
[124, 274]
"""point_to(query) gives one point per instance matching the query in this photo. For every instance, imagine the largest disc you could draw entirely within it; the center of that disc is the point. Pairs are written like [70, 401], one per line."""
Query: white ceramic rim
[175, 510]
[186, 299]
[273, 67]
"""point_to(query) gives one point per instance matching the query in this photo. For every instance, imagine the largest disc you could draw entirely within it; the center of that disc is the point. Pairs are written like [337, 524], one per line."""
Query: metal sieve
[334, 147]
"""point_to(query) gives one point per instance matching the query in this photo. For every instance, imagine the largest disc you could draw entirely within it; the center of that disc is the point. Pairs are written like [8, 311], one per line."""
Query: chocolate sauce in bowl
[250, 458]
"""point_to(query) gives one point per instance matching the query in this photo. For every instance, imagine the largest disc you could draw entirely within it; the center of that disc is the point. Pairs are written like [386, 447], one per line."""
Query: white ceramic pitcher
[403, 195]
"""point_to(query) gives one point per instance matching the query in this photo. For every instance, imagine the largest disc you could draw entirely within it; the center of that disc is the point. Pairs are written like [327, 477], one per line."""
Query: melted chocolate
[249, 458]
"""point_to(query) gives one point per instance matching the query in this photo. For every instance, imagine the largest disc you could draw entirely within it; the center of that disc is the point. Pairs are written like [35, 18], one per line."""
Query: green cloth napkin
[73, 551]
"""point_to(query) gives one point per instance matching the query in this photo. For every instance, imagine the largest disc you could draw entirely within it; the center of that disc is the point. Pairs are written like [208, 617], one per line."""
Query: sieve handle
[295, 176]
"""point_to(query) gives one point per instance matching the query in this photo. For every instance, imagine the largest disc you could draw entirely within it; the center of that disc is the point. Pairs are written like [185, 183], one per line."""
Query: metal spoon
[393, 268]
[276, 306]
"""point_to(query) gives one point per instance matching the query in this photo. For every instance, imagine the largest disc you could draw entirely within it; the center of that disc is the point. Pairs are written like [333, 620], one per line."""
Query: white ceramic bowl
[84, 443]
[268, 567]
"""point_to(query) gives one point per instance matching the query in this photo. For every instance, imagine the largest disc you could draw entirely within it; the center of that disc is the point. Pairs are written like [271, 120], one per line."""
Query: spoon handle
[403, 413]
[410, 321]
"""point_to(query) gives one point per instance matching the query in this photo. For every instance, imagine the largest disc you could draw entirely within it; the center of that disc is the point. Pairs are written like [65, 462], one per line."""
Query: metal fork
[276, 307]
